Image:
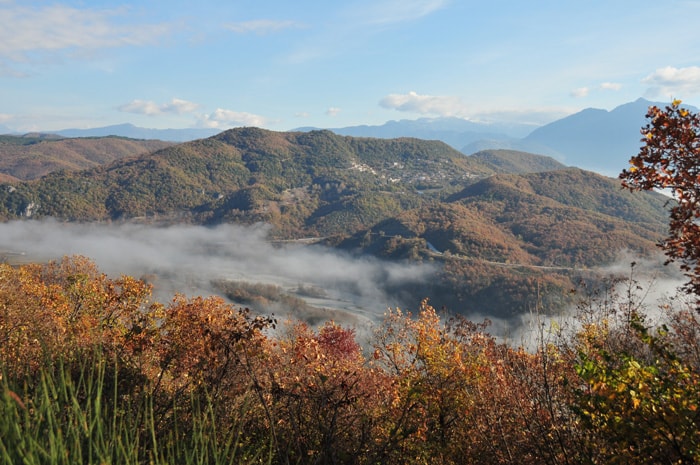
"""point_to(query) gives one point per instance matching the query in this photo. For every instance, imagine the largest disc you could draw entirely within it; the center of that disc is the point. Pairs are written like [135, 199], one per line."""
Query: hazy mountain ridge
[135, 132]
[456, 132]
[34, 155]
[593, 139]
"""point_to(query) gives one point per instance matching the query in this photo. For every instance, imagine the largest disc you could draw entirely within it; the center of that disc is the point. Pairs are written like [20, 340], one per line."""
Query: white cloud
[451, 106]
[219, 119]
[580, 92]
[141, 107]
[59, 28]
[223, 119]
[4, 117]
[302, 114]
[425, 104]
[333, 111]
[179, 106]
[585, 91]
[673, 82]
[150, 108]
[610, 86]
[397, 11]
[262, 26]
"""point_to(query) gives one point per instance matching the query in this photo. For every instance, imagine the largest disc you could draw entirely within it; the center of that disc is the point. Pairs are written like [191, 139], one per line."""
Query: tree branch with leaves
[669, 159]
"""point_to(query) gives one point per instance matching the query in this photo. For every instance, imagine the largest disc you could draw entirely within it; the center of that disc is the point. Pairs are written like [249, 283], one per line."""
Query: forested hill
[35, 155]
[513, 161]
[568, 218]
[496, 235]
[306, 183]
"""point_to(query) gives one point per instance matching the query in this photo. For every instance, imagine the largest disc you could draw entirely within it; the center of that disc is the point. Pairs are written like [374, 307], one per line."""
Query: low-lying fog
[187, 259]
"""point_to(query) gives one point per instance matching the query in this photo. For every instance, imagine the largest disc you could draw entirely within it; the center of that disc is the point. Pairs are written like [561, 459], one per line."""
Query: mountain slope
[569, 217]
[516, 162]
[505, 236]
[594, 139]
[497, 238]
[318, 182]
[33, 156]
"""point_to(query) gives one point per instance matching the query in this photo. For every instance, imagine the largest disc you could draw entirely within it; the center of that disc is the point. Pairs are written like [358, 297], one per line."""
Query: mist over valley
[320, 226]
[197, 260]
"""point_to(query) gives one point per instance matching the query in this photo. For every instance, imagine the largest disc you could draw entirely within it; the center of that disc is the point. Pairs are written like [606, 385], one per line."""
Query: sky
[281, 65]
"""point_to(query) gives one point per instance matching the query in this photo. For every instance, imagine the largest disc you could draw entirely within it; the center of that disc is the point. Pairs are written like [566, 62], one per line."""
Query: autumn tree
[636, 385]
[65, 308]
[669, 159]
[641, 405]
[324, 397]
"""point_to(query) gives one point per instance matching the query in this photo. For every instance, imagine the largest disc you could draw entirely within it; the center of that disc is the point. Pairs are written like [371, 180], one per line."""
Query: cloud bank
[224, 119]
[452, 106]
[425, 104]
[150, 108]
[218, 119]
[673, 82]
[28, 31]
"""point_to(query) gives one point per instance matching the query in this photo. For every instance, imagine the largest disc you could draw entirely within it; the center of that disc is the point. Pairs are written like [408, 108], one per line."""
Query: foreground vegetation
[94, 372]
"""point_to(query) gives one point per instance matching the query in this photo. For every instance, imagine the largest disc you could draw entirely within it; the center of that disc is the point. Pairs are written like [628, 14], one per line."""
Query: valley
[493, 228]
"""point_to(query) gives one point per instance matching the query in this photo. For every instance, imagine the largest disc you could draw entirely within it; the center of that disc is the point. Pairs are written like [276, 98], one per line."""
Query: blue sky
[282, 64]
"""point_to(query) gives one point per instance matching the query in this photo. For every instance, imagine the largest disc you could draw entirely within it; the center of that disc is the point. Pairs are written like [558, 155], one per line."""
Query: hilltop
[301, 181]
[34, 155]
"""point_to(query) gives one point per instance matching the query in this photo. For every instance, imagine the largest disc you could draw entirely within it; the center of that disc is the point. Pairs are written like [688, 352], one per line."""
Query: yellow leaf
[676, 102]
[683, 112]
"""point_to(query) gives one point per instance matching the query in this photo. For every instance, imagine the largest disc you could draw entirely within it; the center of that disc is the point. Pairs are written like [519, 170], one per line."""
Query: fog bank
[186, 258]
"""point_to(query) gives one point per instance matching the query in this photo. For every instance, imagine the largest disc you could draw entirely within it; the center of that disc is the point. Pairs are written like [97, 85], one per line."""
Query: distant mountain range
[593, 139]
[134, 132]
[597, 140]
[456, 132]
